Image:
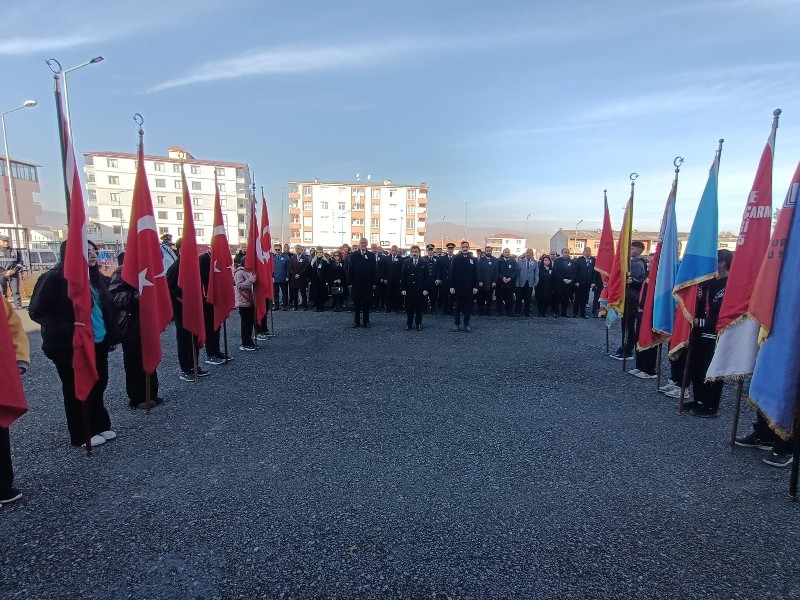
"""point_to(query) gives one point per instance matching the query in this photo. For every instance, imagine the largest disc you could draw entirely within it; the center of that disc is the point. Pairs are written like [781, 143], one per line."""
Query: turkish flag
[220, 278]
[254, 261]
[265, 256]
[189, 273]
[76, 267]
[12, 401]
[143, 269]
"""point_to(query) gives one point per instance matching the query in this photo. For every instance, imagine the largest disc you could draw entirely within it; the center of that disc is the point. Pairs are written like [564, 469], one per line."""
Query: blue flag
[777, 372]
[663, 301]
[700, 257]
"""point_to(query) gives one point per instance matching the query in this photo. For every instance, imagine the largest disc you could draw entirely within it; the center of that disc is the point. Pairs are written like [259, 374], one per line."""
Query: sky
[514, 108]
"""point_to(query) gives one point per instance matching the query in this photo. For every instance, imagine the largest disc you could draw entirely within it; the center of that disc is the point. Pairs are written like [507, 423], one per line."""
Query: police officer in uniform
[487, 281]
[413, 287]
[463, 281]
[446, 299]
[431, 265]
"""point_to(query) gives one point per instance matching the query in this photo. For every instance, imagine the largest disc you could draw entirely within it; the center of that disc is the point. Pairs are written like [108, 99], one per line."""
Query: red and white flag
[220, 277]
[189, 273]
[76, 266]
[265, 256]
[143, 269]
[737, 332]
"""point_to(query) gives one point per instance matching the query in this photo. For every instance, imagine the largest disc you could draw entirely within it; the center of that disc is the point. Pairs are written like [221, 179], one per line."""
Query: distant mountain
[52, 217]
[478, 235]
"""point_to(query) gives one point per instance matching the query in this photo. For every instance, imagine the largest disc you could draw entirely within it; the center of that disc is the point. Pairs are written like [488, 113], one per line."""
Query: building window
[579, 245]
[179, 215]
[198, 216]
[178, 200]
[111, 163]
[162, 214]
[376, 209]
[92, 195]
[410, 210]
[113, 180]
[176, 168]
[221, 187]
[200, 232]
[306, 205]
[242, 219]
[375, 238]
[162, 183]
[92, 229]
[358, 207]
[341, 205]
[116, 213]
[358, 222]
[597, 245]
[158, 166]
[391, 193]
[411, 195]
[376, 194]
[375, 223]
[180, 231]
[161, 199]
[409, 223]
[195, 169]
[219, 171]
[89, 178]
[308, 221]
[242, 233]
[306, 190]
[163, 230]
[196, 185]
[197, 201]
[118, 229]
[306, 236]
[356, 236]
[178, 184]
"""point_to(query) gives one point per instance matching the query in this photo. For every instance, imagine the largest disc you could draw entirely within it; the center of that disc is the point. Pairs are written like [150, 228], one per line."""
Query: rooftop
[383, 183]
[200, 161]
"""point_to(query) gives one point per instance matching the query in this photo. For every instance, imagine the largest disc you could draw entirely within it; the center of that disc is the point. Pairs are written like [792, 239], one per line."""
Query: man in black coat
[382, 284]
[214, 355]
[446, 299]
[362, 278]
[394, 300]
[432, 264]
[463, 284]
[582, 278]
[413, 287]
[562, 280]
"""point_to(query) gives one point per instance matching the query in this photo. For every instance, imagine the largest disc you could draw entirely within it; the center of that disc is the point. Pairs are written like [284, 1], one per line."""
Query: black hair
[638, 244]
[725, 256]
[120, 258]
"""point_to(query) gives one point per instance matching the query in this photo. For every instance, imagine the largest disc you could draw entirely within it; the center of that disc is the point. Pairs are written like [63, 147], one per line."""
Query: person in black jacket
[319, 279]
[214, 355]
[361, 280]
[544, 289]
[413, 287]
[446, 299]
[432, 264]
[299, 266]
[10, 268]
[463, 284]
[487, 281]
[582, 277]
[394, 300]
[507, 269]
[52, 309]
[710, 294]
[337, 279]
[562, 273]
[636, 276]
[381, 294]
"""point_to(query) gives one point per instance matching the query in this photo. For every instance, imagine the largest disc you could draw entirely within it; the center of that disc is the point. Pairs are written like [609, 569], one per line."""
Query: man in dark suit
[582, 279]
[463, 284]
[382, 283]
[394, 301]
[432, 263]
[445, 298]
[562, 279]
[413, 287]
[362, 279]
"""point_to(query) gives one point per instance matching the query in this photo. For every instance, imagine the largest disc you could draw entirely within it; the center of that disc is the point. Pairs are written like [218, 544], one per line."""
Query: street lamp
[576, 233]
[283, 189]
[465, 219]
[526, 224]
[14, 216]
[63, 72]
[443, 216]
[341, 224]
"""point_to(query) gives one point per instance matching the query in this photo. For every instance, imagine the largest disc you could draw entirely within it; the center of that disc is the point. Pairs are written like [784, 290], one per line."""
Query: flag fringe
[687, 284]
[777, 429]
[676, 349]
[640, 348]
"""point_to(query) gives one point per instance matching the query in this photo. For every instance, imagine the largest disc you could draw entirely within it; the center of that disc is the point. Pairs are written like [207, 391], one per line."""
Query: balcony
[421, 216]
[423, 200]
[294, 211]
[294, 195]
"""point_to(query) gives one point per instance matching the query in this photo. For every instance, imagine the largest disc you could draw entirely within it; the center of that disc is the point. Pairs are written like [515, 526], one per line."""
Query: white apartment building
[331, 213]
[110, 178]
[515, 243]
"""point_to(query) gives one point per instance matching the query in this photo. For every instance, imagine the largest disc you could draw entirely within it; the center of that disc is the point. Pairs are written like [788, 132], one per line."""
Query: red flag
[266, 255]
[189, 273]
[76, 267]
[683, 322]
[12, 400]
[220, 278]
[250, 258]
[762, 301]
[143, 269]
[605, 254]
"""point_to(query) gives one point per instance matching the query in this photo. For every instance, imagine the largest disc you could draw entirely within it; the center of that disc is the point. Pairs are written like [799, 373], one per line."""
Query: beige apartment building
[110, 178]
[25, 179]
[577, 240]
[332, 213]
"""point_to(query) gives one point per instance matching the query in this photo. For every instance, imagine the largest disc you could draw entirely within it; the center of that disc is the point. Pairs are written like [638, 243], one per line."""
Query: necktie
[529, 265]
[415, 262]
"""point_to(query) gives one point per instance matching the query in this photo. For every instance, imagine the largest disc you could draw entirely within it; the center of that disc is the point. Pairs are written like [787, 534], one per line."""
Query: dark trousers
[362, 299]
[505, 299]
[280, 290]
[414, 306]
[630, 324]
[524, 297]
[432, 298]
[135, 377]
[596, 300]
[320, 295]
[293, 292]
[186, 358]
[677, 366]
[247, 316]
[760, 426]
[646, 360]
[449, 303]
[581, 298]
[99, 420]
[485, 301]
[394, 299]
[262, 324]
[337, 301]
[6, 469]
[707, 393]
[463, 306]
[13, 283]
[379, 295]
[545, 300]
[212, 335]
[563, 293]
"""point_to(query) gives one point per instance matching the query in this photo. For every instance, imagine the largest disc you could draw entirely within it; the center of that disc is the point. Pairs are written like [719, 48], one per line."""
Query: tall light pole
[63, 72]
[283, 189]
[526, 224]
[576, 233]
[14, 217]
[465, 218]
[442, 246]
[341, 224]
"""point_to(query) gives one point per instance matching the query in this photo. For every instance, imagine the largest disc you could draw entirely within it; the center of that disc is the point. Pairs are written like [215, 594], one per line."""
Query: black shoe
[419, 327]
[407, 327]
[294, 308]
[774, 459]
[10, 495]
[134, 404]
[690, 405]
[584, 317]
[620, 356]
[201, 372]
[467, 329]
[703, 412]
[355, 325]
[457, 328]
[367, 325]
[754, 440]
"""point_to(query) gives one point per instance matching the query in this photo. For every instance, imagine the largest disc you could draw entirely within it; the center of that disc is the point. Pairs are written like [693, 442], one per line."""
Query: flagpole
[255, 287]
[736, 409]
[633, 177]
[796, 454]
[194, 358]
[270, 305]
[677, 162]
[225, 339]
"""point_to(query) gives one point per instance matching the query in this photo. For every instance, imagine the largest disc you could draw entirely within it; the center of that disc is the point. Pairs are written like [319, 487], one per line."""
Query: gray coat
[531, 276]
[487, 271]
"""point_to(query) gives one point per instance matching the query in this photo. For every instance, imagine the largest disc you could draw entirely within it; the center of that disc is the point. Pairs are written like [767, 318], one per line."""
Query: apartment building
[577, 240]
[332, 213]
[110, 178]
[25, 179]
[515, 243]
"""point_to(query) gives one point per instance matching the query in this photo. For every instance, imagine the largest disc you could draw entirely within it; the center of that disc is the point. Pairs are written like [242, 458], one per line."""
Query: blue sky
[513, 107]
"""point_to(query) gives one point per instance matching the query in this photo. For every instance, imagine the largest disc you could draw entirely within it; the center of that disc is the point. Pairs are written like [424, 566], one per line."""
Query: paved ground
[514, 462]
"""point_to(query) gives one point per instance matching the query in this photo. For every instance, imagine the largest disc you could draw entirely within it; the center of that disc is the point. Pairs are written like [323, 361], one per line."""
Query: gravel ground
[515, 462]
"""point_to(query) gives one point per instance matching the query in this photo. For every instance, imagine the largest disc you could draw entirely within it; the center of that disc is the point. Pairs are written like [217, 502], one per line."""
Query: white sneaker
[665, 388]
[634, 371]
[97, 440]
[676, 393]
[109, 435]
[643, 375]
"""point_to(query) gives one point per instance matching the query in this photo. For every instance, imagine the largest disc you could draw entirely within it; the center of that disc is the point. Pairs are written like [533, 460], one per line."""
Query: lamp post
[576, 233]
[341, 224]
[465, 219]
[283, 189]
[63, 72]
[443, 216]
[121, 219]
[14, 216]
[526, 224]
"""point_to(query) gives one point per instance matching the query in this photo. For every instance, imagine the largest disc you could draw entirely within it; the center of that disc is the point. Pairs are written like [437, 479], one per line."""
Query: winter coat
[243, 281]
[487, 271]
